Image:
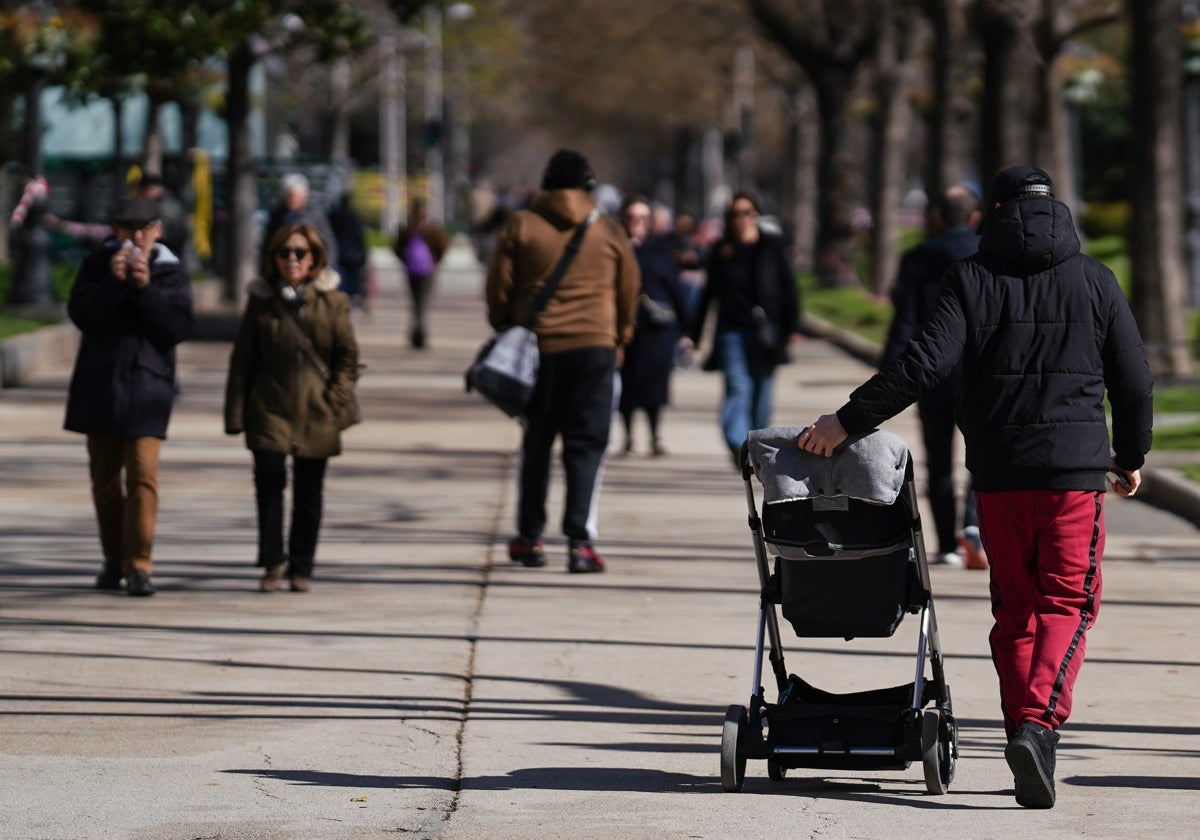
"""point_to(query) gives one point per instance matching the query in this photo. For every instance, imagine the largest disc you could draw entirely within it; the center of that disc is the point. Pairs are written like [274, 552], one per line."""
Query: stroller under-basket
[849, 561]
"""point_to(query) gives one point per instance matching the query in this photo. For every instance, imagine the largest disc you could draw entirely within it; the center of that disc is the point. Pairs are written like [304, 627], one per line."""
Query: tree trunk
[891, 132]
[240, 177]
[339, 77]
[1158, 281]
[838, 179]
[953, 111]
[152, 157]
[803, 142]
[1005, 132]
[118, 160]
[1055, 152]
[5, 196]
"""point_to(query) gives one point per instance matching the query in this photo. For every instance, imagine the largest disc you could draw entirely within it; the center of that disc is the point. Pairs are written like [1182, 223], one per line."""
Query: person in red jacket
[1043, 334]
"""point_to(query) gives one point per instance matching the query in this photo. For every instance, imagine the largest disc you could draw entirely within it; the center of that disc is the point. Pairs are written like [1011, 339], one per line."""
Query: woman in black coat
[649, 358]
[758, 316]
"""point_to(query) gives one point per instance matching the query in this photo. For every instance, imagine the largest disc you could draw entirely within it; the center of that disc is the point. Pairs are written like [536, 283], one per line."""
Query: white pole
[392, 135]
[433, 114]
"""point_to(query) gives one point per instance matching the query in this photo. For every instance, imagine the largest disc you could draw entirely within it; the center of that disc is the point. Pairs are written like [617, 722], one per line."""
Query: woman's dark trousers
[270, 481]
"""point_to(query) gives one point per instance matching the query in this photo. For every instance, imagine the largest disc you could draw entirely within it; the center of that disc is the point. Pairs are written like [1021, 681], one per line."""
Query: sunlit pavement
[429, 687]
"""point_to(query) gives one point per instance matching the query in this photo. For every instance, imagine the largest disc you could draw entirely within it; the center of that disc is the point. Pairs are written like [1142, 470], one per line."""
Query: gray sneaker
[1030, 756]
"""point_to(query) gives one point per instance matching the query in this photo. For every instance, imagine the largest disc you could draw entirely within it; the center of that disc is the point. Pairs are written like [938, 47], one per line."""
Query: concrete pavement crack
[433, 826]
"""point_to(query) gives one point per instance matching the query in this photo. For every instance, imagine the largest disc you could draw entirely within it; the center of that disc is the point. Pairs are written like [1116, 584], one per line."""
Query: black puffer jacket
[1042, 332]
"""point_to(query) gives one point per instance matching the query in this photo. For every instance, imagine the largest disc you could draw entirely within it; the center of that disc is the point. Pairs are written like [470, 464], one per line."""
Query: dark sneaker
[1030, 756]
[584, 559]
[527, 552]
[109, 579]
[139, 584]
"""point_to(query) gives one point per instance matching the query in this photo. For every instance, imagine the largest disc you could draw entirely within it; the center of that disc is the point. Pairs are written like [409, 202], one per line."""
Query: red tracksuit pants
[1044, 547]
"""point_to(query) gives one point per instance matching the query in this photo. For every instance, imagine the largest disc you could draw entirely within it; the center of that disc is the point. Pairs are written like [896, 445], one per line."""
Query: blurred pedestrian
[420, 244]
[1043, 333]
[758, 317]
[952, 222]
[176, 221]
[351, 236]
[662, 220]
[294, 206]
[132, 301]
[292, 369]
[662, 309]
[581, 332]
[691, 251]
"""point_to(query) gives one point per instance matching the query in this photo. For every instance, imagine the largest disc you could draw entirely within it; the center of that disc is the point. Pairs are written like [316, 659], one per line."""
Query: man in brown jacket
[581, 334]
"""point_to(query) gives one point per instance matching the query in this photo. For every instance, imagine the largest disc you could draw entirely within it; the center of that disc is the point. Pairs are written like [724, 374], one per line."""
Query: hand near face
[119, 264]
[139, 271]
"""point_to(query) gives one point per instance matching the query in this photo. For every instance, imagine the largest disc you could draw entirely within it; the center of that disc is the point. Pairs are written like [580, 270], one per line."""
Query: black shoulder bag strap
[559, 270]
[305, 342]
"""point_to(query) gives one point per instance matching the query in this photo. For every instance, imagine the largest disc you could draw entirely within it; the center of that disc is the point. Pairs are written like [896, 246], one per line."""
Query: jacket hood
[326, 281]
[564, 208]
[1032, 233]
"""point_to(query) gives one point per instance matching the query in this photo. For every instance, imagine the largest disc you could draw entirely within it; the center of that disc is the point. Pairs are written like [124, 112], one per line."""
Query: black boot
[1030, 756]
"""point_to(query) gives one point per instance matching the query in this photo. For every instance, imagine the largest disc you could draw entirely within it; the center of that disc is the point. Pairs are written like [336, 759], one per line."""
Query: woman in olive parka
[284, 401]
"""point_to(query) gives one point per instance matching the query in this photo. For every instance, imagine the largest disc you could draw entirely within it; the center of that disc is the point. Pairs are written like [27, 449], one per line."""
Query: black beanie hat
[568, 170]
[1020, 180]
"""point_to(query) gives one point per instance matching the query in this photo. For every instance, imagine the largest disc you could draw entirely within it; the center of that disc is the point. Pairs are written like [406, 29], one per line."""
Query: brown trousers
[126, 510]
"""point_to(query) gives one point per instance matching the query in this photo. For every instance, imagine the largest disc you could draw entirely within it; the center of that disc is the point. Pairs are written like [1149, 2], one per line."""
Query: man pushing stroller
[1042, 333]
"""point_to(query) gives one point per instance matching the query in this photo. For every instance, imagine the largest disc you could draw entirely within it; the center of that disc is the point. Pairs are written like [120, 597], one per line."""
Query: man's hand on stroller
[822, 437]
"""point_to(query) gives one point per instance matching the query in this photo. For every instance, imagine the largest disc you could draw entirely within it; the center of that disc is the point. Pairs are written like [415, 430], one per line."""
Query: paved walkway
[427, 687]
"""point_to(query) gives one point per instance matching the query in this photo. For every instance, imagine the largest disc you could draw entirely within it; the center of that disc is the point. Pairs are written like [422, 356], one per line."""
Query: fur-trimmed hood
[327, 281]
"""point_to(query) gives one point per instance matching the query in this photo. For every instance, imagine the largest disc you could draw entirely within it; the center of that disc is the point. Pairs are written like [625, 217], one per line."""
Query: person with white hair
[293, 207]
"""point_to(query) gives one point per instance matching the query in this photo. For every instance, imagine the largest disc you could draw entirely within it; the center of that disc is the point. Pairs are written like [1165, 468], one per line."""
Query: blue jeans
[749, 378]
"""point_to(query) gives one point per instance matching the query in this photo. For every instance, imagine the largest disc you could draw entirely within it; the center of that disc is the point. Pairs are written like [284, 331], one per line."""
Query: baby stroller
[849, 561]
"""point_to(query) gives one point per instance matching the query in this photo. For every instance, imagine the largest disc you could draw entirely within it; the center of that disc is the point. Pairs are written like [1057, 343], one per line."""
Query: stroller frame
[872, 730]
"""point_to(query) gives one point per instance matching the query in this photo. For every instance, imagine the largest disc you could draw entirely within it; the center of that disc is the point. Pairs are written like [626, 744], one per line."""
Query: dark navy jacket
[1042, 332]
[124, 378]
[917, 283]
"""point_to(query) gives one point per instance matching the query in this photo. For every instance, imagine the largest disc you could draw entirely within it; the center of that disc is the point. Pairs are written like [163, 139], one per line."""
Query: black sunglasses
[298, 253]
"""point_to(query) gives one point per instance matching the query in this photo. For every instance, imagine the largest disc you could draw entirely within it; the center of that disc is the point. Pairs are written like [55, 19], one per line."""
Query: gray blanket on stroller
[868, 466]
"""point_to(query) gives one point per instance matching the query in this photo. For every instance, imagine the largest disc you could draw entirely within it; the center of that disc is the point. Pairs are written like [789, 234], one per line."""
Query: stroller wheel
[733, 758]
[775, 770]
[937, 751]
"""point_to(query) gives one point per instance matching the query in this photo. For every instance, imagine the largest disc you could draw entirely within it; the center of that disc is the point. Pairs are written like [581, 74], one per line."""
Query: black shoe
[139, 584]
[527, 552]
[109, 579]
[1030, 756]
[583, 559]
